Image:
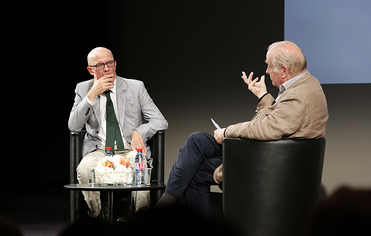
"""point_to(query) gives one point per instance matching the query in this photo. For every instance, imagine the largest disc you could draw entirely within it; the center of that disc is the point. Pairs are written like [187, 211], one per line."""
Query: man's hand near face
[100, 86]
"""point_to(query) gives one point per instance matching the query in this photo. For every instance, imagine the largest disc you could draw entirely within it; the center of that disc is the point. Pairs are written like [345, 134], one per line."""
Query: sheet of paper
[215, 124]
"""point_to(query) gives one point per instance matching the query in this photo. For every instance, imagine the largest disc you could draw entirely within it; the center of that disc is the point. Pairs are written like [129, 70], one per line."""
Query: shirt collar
[113, 90]
[288, 83]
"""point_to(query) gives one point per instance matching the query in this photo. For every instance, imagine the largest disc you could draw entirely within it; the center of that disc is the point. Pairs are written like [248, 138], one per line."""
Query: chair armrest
[76, 139]
[157, 144]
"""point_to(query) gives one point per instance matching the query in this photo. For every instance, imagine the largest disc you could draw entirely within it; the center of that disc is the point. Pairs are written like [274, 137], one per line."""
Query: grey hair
[288, 54]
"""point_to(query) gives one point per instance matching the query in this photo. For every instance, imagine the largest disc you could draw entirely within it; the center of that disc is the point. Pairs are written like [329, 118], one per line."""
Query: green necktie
[112, 127]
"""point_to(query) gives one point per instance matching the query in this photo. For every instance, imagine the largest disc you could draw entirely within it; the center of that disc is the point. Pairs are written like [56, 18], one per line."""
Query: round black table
[110, 189]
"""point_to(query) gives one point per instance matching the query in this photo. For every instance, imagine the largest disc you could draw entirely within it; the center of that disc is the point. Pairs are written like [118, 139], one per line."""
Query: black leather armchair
[157, 145]
[269, 187]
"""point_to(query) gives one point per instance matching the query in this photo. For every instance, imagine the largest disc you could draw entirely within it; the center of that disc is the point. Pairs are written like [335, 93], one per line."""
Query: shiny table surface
[96, 187]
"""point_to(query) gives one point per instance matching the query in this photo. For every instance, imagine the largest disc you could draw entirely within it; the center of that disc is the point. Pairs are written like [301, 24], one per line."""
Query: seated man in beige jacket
[299, 111]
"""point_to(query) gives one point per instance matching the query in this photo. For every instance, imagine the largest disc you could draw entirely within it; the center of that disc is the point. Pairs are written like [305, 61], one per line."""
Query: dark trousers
[192, 174]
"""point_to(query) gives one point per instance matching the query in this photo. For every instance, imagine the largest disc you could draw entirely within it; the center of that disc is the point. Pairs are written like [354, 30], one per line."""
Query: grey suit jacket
[132, 101]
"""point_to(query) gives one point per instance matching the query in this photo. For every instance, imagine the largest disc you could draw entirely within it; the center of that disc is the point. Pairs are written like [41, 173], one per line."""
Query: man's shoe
[218, 174]
[123, 220]
[101, 216]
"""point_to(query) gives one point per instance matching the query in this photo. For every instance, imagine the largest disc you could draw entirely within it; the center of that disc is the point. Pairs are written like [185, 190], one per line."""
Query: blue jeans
[192, 174]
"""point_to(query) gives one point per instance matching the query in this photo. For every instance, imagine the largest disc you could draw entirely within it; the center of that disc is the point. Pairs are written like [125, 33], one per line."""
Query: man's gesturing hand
[100, 86]
[257, 88]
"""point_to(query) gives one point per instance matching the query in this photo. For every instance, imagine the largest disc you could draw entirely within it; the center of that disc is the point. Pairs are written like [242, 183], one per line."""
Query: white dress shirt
[102, 129]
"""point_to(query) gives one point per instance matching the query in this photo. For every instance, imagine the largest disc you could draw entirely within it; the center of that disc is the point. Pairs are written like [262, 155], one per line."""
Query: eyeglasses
[100, 66]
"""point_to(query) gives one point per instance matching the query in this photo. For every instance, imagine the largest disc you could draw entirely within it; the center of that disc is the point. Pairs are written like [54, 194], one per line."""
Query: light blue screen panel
[335, 36]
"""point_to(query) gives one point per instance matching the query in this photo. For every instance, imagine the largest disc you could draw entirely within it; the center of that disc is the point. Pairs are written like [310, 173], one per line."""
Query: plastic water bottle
[109, 151]
[143, 166]
[138, 169]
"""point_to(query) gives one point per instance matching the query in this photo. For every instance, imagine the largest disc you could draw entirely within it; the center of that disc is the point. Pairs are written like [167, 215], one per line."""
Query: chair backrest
[269, 187]
[76, 139]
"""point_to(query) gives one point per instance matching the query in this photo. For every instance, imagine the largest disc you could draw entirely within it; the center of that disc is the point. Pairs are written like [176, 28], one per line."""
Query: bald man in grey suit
[130, 100]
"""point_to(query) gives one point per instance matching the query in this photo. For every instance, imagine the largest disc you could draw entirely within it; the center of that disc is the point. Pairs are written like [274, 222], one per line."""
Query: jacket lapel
[121, 100]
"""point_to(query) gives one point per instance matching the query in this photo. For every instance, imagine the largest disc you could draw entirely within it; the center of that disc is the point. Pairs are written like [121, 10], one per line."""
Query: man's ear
[285, 72]
[90, 69]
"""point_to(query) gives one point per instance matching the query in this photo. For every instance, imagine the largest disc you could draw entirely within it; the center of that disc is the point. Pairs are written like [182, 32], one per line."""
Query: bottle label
[141, 166]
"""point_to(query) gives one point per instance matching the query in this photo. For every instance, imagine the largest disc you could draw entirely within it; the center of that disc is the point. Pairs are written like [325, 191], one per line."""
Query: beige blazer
[300, 112]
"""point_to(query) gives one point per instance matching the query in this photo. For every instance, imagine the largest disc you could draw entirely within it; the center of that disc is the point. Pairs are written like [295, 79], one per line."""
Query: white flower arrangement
[114, 170]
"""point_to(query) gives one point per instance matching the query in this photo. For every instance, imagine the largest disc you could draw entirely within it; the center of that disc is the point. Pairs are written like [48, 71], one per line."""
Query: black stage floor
[37, 212]
[45, 212]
